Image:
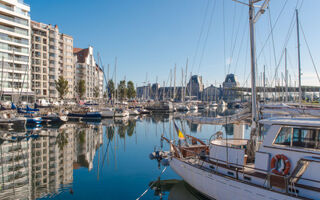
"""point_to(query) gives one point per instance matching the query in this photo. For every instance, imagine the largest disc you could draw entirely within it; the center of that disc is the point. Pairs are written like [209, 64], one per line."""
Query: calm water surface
[107, 160]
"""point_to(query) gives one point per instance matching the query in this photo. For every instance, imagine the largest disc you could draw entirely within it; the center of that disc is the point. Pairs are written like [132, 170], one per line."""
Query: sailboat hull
[219, 187]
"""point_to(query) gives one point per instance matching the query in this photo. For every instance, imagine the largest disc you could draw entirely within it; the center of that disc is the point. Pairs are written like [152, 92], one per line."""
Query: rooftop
[301, 121]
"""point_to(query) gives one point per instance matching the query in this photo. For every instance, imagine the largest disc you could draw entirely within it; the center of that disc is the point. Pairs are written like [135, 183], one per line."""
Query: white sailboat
[222, 169]
[280, 161]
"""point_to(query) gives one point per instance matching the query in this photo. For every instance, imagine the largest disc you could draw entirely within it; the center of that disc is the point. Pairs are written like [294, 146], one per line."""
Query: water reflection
[73, 160]
[173, 189]
[36, 166]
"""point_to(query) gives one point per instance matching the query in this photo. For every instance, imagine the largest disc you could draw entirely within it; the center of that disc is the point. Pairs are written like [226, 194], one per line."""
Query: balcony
[6, 7]
[14, 30]
[10, 39]
[16, 20]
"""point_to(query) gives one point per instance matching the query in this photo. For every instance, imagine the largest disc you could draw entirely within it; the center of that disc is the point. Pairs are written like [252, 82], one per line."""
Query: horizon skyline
[137, 49]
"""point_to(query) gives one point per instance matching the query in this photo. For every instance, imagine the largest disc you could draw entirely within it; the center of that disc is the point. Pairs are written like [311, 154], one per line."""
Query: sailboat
[280, 161]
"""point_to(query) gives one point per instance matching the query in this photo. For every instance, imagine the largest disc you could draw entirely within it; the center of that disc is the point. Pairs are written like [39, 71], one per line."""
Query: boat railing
[286, 182]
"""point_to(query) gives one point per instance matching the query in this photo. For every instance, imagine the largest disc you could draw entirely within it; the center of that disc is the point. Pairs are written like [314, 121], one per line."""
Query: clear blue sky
[151, 36]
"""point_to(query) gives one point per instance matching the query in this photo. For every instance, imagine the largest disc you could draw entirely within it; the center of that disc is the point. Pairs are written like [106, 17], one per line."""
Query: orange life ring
[274, 163]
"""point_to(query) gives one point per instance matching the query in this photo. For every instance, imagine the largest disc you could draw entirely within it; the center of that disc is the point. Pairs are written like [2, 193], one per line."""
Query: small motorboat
[134, 112]
[55, 118]
[121, 112]
[107, 113]
[183, 108]
[144, 111]
[33, 120]
[8, 118]
[84, 115]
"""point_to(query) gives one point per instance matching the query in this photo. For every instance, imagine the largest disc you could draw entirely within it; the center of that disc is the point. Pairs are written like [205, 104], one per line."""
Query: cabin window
[306, 138]
[284, 136]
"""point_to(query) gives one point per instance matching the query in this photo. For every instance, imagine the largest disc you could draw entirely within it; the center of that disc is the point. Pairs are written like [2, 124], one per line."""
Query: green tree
[110, 88]
[122, 90]
[62, 87]
[96, 92]
[131, 127]
[62, 140]
[131, 91]
[81, 88]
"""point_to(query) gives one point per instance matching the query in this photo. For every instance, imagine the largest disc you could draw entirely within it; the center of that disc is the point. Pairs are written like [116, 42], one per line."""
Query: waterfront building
[195, 86]
[15, 50]
[229, 86]
[52, 56]
[88, 70]
[144, 92]
[211, 93]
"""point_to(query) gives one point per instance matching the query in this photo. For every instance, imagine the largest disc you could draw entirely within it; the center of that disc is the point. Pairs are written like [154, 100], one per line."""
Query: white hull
[221, 188]
[134, 112]
[107, 113]
[121, 114]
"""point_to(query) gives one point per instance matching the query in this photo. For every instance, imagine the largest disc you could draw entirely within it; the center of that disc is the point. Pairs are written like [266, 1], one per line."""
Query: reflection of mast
[98, 164]
[115, 149]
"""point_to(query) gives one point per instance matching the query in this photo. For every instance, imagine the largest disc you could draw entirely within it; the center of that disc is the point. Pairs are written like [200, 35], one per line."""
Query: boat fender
[274, 165]
[165, 162]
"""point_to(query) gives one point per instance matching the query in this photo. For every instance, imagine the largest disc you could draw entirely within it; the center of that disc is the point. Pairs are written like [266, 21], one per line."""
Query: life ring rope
[274, 164]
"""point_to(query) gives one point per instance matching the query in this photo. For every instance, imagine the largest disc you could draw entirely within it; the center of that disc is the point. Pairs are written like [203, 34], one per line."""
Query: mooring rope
[151, 185]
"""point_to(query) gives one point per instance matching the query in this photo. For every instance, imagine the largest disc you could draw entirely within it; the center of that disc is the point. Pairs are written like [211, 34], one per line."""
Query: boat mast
[299, 59]
[264, 83]
[2, 77]
[185, 80]
[174, 82]
[190, 88]
[115, 82]
[253, 17]
[286, 75]
[253, 61]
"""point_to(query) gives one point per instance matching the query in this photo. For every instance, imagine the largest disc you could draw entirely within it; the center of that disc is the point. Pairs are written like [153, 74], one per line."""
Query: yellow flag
[180, 134]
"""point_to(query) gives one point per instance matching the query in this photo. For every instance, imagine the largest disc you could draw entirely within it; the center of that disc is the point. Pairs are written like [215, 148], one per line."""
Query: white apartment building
[52, 56]
[15, 50]
[88, 70]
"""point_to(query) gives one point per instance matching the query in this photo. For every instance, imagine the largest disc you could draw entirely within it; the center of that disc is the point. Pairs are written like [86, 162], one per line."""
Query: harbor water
[97, 160]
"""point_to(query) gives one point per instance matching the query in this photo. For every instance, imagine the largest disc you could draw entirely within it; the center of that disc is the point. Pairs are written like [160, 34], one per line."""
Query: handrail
[267, 173]
[194, 138]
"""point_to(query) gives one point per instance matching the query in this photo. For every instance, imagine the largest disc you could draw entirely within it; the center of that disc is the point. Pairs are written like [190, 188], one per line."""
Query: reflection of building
[34, 168]
[52, 160]
[15, 170]
[239, 131]
[195, 128]
[87, 142]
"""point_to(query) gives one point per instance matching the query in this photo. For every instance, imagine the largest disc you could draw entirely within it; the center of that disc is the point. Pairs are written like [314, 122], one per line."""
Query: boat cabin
[286, 156]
